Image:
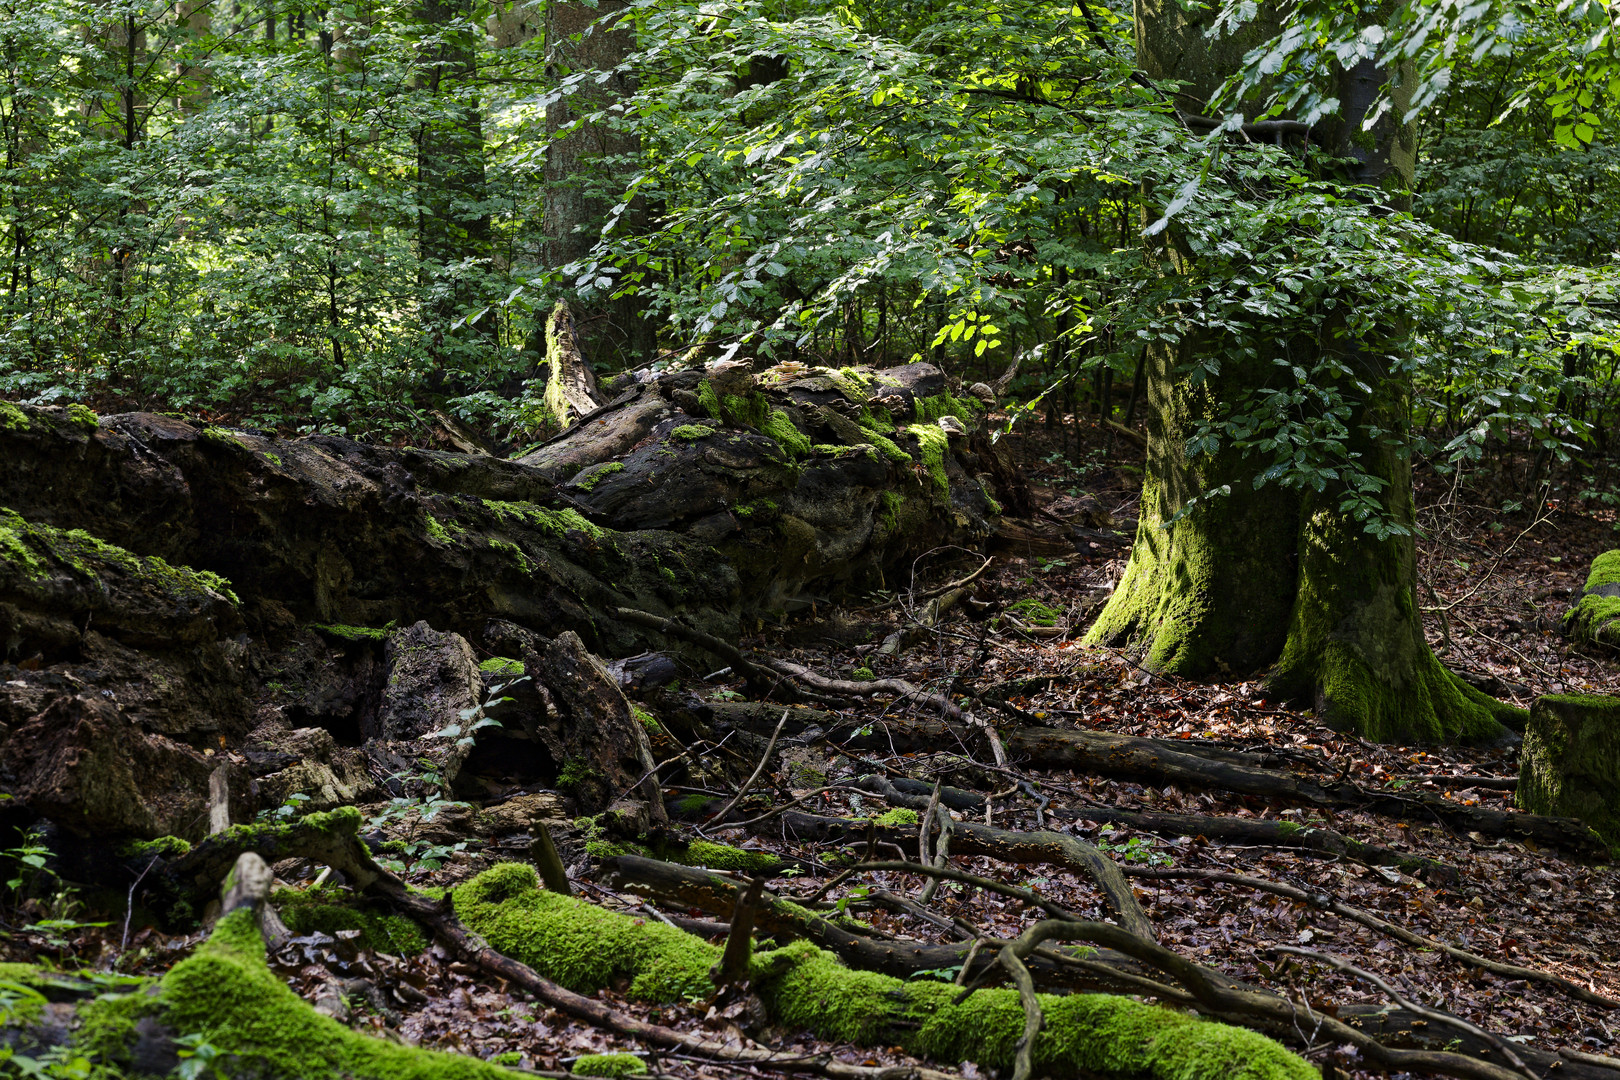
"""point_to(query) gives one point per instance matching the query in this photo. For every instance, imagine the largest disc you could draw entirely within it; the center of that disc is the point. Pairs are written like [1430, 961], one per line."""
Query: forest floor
[1500, 586]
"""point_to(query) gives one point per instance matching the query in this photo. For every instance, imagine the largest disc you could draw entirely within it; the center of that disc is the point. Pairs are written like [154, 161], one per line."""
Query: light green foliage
[1593, 618]
[587, 480]
[226, 994]
[328, 911]
[893, 819]
[609, 1065]
[587, 948]
[710, 400]
[501, 665]
[14, 547]
[692, 432]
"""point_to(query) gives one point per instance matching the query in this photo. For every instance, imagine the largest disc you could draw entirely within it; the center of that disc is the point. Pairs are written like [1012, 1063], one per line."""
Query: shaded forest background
[341, 219]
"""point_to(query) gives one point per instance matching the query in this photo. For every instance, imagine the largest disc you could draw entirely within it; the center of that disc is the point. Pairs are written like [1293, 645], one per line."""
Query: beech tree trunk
[1268, 575]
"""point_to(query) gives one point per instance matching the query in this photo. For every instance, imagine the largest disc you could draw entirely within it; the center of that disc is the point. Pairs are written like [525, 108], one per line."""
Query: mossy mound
[1569, 765]
[1595, 618]
[586, 949]
[227, 995]
[609, 1065]
[326, 912]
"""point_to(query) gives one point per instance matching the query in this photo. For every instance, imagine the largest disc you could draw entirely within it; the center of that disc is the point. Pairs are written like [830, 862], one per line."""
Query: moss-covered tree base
[586, 948]
[1356, 648]
[1595, 618]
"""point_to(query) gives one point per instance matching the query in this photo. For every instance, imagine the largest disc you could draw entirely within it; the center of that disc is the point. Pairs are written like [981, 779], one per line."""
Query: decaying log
[715, 498]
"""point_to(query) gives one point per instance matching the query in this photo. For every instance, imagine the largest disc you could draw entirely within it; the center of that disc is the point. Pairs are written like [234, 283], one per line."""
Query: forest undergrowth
[1497, 587]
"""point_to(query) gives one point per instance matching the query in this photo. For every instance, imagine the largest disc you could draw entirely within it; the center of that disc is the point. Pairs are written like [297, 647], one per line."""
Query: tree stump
[1570, 762]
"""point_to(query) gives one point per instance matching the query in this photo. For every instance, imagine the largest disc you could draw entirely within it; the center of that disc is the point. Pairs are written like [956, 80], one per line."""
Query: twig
[764, 759]
[733, 965]
[129, 910]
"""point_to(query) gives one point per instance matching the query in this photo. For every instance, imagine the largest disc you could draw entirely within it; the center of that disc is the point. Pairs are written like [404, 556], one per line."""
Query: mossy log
[1595, 617]
[585, 948]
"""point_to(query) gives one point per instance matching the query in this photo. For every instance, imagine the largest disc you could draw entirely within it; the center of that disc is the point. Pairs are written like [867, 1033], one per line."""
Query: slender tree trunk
[585, 171]
[1268, 575]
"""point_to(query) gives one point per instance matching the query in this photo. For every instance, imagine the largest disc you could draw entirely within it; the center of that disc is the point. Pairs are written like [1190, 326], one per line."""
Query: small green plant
[726, 695]
[1138, 849]
[863, 674]
[30, 858]
[287, 810]
[199, 1058]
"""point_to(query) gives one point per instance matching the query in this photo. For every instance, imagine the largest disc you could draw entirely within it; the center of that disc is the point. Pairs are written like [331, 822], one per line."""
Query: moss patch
[587, 948]
[32, 547]
[501, 665]
[169, 847]
[12, 418]
[692, 432]
[325, 912]
[226, 994]
[932, 445]
[609, 1065]
[352, 633]
[551, 522]
[1596, 615]
[594, 475]
[1033, 611]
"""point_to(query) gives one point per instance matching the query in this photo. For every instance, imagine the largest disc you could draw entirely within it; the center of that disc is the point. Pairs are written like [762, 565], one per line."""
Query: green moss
[1569, 764]
[1595, 616]
[27, 546]
[513, 552]
[321, 912]
[552, 522]
[501, 665]
[580, 945]
[436, 530]
[893, 819]
[587, 949]
[930, 409]
[587, 480]
[83, 416]
[508, 1058]
[932, 445]
[12, 418]
[15, 549]
[863, 674]
[646, 719]
[725, 857]
[169, 847]
[353, 633]
[779, 427]
[877, 424]
[227, 995]
[1033, 611]
[222, 438]
[692, 432]
[709, 400]
[272, 459]
[107, 1026]
[609, 1065]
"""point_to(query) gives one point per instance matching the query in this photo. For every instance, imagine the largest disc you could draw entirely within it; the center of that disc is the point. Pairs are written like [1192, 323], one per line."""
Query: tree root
[1280, 834]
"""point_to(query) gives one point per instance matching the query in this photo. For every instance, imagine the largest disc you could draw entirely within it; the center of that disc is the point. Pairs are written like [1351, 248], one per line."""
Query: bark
[586, 168]
[1266, 575]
